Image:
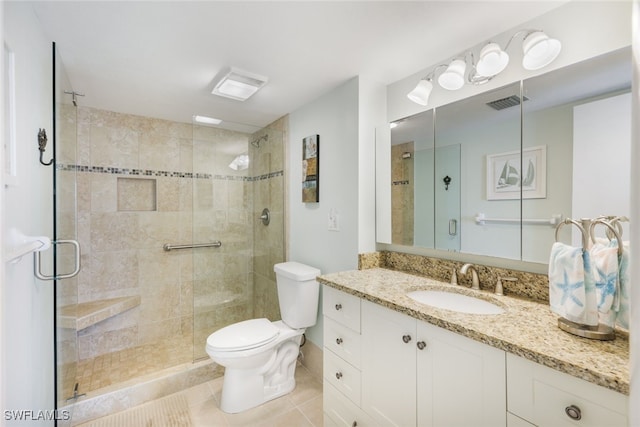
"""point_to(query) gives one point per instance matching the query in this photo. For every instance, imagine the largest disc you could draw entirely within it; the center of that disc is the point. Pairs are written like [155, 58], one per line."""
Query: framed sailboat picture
[505, 179]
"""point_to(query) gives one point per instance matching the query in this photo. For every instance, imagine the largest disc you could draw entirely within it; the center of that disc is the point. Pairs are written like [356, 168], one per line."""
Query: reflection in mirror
[412, 173]
[582, 115]
[575, 127]
[482, 137]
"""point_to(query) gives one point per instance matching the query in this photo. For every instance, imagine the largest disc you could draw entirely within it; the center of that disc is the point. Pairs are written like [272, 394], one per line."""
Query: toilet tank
[298, 293]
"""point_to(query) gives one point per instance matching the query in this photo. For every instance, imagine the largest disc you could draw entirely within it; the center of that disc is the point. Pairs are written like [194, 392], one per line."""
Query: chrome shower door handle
[37, 267]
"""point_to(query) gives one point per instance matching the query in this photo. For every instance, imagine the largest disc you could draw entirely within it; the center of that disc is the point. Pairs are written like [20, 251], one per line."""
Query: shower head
[256, 142]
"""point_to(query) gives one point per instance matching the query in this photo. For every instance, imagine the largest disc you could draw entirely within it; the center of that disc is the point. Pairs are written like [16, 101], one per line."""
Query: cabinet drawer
[342, 412]
[342, 376]
[341, 307]
[540, 395]
[342, 341]
[551, 403]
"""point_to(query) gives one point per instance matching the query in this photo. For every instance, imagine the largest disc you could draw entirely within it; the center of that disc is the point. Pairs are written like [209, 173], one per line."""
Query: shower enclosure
[125, 187]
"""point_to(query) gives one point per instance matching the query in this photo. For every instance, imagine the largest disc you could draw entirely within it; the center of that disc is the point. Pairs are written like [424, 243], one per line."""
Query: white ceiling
[161, 58]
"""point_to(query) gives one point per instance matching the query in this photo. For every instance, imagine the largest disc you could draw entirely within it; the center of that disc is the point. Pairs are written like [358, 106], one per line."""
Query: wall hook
[447, 181]
[42, 145]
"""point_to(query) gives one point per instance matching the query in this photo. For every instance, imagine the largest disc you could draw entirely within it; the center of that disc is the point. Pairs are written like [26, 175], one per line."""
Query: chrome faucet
[499, 286]
[475, 282]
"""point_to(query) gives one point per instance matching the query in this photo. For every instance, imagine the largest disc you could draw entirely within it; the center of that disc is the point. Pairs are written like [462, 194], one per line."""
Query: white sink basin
[455, 302]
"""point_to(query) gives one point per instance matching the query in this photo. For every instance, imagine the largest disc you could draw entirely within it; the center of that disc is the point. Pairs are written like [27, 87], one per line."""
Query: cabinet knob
[406, 338]
[338, 375]
[354, 424]
[573, 412]
[421, 345]
[338, 307]
[338, 341]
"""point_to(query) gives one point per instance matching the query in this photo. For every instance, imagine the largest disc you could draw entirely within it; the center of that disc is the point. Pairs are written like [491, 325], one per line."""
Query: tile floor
[120, 366]
[300, 408]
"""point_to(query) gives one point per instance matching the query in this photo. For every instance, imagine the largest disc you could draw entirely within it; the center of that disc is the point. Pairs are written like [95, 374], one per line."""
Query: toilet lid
[243, 335]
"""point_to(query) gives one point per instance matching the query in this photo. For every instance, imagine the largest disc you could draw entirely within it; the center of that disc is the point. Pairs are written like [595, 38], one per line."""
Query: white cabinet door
[342, 412]
[549, 398]
[461, 382]
[513, 421]
[388, 366]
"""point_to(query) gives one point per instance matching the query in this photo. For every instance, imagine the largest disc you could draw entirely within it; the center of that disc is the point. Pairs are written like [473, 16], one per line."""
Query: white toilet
[260, 356]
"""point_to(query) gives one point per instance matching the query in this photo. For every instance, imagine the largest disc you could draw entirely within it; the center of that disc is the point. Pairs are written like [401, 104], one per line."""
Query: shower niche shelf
[81, 316]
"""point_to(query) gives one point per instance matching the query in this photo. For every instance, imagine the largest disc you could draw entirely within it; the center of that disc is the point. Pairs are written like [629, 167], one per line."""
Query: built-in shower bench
[83, 315]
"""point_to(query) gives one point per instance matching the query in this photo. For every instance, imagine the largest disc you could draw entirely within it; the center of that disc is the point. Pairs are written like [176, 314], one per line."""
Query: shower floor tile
[120, 366]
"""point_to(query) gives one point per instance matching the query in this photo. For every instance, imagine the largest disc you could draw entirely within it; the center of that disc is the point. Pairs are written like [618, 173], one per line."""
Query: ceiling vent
[510, 101]
[239, 84]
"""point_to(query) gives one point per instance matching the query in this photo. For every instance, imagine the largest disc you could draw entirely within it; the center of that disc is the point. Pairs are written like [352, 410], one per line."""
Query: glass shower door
[222, 286]
[237, 175]
[65, 228]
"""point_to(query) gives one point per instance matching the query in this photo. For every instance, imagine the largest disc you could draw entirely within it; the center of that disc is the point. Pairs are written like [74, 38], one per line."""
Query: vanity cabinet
[415, 373]
[385, 368]
[545, 397]
[342, 360]
[389, 376]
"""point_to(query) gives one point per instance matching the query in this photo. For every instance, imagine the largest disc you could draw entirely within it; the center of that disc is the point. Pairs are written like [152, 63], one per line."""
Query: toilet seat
[243, 335]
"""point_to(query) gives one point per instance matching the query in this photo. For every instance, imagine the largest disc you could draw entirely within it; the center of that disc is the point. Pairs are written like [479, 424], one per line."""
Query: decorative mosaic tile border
[170, 174]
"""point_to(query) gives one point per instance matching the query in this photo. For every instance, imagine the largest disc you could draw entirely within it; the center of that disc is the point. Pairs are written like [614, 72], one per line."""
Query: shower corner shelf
[81, 316]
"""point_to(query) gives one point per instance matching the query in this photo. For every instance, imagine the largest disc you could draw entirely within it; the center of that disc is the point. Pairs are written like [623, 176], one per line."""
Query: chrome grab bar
[167, 247]
[37, 267]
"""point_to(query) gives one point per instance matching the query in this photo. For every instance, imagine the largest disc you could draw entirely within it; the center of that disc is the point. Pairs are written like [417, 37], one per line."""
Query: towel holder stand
[600, 332]
[585, 237]
[611, 228]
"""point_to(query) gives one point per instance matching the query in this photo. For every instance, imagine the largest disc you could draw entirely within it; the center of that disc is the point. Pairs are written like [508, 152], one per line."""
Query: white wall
[372, 100]
[601, 144]
[345, 119]
[334, 117]
[2, 207]
[27, 304]
[634, 409]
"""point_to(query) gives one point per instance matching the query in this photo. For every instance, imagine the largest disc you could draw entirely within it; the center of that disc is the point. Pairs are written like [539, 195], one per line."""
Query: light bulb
[492, 60]
[420, 94]
[453, 77]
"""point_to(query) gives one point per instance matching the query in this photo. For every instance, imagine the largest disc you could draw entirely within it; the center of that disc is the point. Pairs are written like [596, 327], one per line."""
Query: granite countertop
[526, 329]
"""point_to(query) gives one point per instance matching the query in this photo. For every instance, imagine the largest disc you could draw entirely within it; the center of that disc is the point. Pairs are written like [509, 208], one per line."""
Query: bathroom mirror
[412, 174]
[581, 115]
[467, 133]
[459, 163]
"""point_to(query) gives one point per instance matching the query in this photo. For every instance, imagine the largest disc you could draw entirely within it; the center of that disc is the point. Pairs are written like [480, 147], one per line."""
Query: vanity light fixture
[420, 94]
[539, 50]
[453, 77]
[492, 61]
[239, 85]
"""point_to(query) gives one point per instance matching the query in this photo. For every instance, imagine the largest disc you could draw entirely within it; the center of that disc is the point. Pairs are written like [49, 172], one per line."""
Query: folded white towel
[625, 287]
[572, 291]
[604, 262]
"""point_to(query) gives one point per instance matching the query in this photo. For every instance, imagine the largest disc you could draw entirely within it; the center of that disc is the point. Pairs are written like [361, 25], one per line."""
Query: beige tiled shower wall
[222, 286]
[402, 194]
[198, 198]
[267, 169]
